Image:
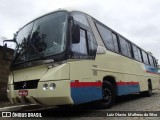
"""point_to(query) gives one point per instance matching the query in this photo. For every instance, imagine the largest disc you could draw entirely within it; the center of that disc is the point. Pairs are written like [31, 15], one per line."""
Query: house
[4, 72]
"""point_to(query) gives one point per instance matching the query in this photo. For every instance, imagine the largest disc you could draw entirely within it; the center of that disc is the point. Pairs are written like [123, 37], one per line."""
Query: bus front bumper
[61, 95]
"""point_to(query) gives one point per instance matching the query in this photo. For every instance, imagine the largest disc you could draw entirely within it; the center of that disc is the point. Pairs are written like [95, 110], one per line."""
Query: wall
[4, 72]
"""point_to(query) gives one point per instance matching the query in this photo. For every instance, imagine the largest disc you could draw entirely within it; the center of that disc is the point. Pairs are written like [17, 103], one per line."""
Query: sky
[137, 20]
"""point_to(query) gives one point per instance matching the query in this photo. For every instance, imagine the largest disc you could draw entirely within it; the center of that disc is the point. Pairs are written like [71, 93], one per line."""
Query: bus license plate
[23, 92]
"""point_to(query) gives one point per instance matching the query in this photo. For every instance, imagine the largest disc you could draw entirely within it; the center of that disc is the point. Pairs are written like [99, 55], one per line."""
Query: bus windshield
[42, 37]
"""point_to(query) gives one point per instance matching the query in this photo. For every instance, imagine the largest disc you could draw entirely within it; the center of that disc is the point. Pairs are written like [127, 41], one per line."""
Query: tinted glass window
[139, 54]
[24, 33]
[125, 47]
[151, 60]
[123, 44]
[106, 36]
[129, 49]
[155, 62]
[92, 44]
[136, 52]
[80, 17]
[145, 58]
[115, 41]
[46, 36]
[48, 33]
[81, 47]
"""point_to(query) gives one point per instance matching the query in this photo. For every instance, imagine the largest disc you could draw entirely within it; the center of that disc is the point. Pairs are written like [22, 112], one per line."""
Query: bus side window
[81, 18]
[115, 42]
[92, 45]
[80, 49]
[145, 58]
[106, 36]
[155, 62]
[125, 47]
[137, 53]
[129, 50]
[151, 60]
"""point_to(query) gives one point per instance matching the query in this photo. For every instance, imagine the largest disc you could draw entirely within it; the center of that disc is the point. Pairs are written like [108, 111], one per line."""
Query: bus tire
[108, 94]
[149, 92]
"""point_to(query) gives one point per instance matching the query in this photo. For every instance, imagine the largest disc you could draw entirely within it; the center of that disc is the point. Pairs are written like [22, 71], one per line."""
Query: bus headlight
[45, 86]
[52, 86]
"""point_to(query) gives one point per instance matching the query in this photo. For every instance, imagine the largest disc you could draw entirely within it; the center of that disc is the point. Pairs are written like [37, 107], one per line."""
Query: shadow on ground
[89, 109]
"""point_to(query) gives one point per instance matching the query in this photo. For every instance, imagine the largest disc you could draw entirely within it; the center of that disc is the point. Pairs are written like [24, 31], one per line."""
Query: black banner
[80, 113]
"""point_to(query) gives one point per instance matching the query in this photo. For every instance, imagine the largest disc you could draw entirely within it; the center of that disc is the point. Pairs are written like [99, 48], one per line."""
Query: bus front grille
[31, 84]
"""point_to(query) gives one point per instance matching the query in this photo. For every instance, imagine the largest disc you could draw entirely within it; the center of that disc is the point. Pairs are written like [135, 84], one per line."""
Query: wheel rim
[107, 95]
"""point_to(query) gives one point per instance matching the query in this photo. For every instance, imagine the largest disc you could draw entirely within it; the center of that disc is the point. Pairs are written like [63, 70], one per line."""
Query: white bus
[67, 57]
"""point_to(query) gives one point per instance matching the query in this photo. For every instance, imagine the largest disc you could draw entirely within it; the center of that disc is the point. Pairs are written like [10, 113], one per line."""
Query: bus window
[87, 45]
[145, 58]
[92, 45]
[80, 49]
[106, 36]
[155, 62]
[80, 17]
[151, 60]
[137, 53]
[115, 41]
[129, 49]
[125, 47]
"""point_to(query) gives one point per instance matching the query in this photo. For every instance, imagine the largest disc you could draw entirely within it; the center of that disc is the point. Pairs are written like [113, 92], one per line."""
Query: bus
[67, 57]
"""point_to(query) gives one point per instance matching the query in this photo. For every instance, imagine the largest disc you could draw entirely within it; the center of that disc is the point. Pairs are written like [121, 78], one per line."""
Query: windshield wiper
[42, 61]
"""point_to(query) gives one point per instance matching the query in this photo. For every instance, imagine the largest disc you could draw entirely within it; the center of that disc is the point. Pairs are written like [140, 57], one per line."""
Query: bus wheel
[149, 92]
[109, 94]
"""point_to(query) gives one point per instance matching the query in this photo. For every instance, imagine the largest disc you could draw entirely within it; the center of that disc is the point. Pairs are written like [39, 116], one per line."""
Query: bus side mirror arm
[11, 40]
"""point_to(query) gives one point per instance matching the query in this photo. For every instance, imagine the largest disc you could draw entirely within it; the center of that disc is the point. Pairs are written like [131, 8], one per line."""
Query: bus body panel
[84, 86]
[130, 75]
[59, 72]
[59, 96]
[31, 73]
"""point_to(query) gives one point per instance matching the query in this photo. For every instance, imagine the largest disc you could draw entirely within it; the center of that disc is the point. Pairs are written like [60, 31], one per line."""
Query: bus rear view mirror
[101, 50]
[75, 33]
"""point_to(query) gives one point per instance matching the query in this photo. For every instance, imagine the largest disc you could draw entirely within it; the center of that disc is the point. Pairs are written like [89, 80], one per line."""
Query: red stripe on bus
[127, 83]
[86, 84]
[76, 83]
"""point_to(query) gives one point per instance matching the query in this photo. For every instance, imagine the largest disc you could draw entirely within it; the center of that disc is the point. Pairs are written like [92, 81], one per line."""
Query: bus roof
[70, 9]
